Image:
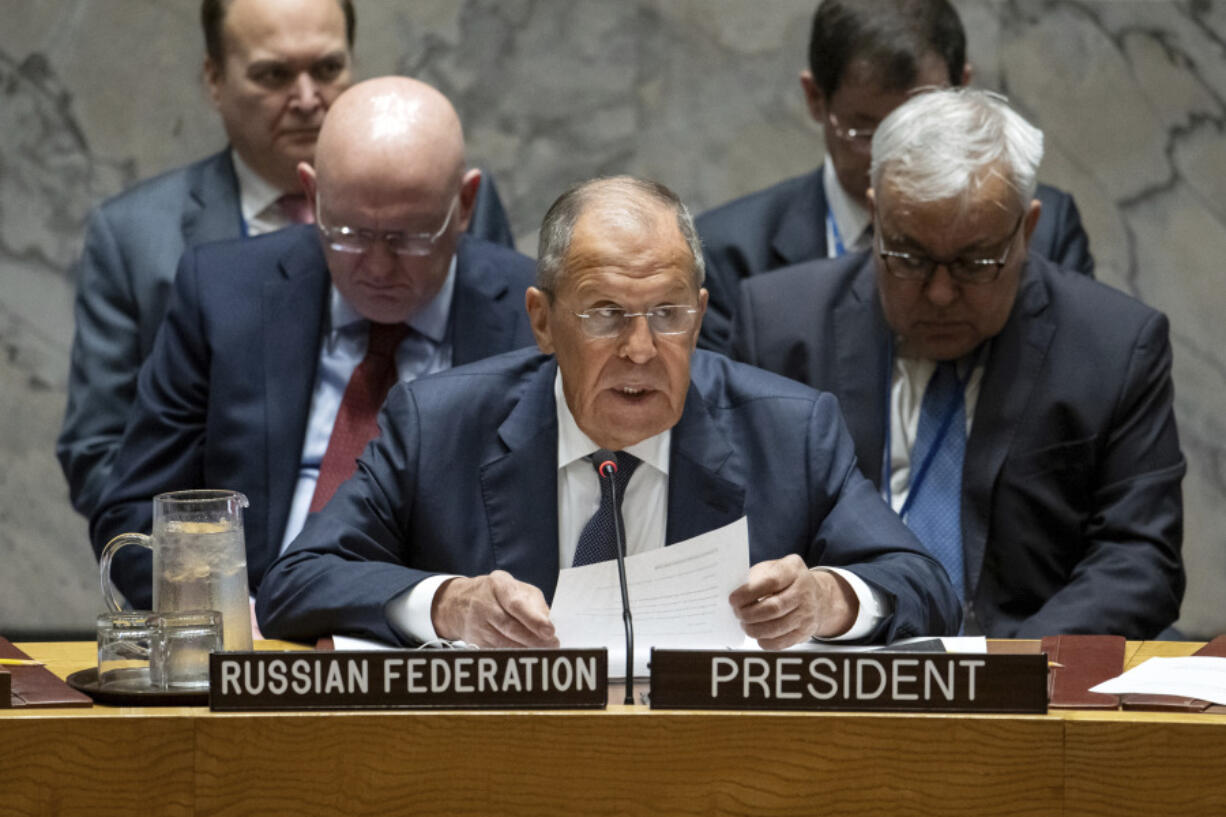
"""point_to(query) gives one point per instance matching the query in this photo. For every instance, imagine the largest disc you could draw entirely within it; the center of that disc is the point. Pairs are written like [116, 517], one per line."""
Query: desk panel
[1172, 765]
[628, 762]
[96, 766]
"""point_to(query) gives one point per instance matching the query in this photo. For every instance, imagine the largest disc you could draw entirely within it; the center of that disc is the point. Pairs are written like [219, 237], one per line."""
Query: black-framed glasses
[859, 138]
[907, 266]
[601, 322]
[351, 240]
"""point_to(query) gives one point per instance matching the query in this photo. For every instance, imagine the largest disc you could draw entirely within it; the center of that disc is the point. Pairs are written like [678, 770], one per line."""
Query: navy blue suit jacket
[463, 479]
[785, 224]
[124, 279]
[224, 398]
[1072, 517]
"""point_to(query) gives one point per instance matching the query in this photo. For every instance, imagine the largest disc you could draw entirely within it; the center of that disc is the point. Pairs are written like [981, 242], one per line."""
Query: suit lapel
[212, 211]
[519, 486]
[481, 324]
[1016, 358]
[705, 491]
[801, 235]
[860, 335]
[294, 303]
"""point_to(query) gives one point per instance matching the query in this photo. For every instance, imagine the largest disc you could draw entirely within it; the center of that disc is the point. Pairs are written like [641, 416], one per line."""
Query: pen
[20, 662]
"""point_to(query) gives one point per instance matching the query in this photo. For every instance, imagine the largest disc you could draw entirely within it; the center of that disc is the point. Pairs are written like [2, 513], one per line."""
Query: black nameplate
[841, 681]
[409, 679]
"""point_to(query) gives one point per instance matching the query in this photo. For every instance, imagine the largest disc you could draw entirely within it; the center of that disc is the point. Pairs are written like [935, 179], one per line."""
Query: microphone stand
[607, 469]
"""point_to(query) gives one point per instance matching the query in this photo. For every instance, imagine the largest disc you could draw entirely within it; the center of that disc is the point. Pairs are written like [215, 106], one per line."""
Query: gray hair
[935, 146]
[633, 196]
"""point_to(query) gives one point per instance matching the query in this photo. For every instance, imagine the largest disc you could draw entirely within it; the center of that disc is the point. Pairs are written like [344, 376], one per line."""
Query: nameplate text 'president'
[879, 681]
[409, 679]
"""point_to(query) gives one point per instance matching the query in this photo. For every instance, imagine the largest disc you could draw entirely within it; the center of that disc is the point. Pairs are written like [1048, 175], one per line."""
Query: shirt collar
[574, 445]
[255, 194]
[430, 320]
[850, 217]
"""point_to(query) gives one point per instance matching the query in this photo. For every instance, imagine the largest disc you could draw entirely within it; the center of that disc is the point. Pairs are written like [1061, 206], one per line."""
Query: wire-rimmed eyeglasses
[601, 322]
[352, 240]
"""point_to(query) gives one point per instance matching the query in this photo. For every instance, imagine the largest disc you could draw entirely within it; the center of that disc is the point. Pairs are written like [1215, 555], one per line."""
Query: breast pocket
[1073, 457]
[1041, 506]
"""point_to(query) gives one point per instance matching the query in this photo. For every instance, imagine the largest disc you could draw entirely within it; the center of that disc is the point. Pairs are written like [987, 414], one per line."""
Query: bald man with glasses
[1019, 417]
[277, 351]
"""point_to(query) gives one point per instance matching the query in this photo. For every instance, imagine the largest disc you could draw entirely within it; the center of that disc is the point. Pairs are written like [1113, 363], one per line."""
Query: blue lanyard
[832, 230]
[947, 417]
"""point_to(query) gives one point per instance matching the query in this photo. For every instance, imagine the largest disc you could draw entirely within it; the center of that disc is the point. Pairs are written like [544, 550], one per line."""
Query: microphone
[606, 469]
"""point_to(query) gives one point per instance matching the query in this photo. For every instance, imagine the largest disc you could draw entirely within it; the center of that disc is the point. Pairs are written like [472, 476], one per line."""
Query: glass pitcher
[199, 559]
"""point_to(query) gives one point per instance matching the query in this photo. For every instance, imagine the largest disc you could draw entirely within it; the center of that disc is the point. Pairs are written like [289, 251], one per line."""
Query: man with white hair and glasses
[865, 58]
[1018, 418]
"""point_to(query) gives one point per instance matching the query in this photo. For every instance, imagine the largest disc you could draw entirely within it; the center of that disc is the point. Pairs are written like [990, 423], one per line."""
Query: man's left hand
[784, 603]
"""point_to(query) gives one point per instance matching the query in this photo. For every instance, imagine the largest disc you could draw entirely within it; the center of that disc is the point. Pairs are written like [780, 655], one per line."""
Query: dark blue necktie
[935, 513]
[598, 541]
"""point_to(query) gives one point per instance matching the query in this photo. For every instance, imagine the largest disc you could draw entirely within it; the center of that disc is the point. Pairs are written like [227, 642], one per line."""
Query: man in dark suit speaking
[272, 70]
[1018, 416]
[277, 350]
[480, 485]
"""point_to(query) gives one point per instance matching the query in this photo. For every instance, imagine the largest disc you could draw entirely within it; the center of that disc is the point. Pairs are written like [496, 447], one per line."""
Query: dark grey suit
[1072, 517]
[785, 224]
[132, 246]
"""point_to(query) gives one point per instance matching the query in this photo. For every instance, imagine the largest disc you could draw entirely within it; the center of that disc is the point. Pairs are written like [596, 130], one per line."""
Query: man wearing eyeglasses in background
[865, 58]
[272, 70]
[461, 535]
[1019, 418]
[277, 351]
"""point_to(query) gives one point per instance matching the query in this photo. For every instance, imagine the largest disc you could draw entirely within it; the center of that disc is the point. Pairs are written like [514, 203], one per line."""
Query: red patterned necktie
[297, 208]
[355, 424]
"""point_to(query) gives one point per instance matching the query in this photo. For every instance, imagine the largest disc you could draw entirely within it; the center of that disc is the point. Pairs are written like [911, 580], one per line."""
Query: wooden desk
[626, 760]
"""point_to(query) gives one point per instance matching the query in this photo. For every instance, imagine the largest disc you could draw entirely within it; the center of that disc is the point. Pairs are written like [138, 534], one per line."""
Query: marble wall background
[702, 94]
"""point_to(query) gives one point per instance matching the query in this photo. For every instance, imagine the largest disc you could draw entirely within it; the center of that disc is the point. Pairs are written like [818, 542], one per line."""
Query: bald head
[391, 135]
[391, 194]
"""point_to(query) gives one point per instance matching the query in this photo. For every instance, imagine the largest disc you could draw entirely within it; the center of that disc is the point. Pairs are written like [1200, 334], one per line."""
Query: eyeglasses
[610, 321]
[350, 240]
[858, 138]
[911, 267]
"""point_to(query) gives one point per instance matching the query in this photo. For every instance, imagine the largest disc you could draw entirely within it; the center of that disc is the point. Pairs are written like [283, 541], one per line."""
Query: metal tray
[86, 681]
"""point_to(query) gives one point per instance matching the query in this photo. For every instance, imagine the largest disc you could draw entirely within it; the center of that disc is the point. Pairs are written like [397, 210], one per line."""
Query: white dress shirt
[851, 218]
[909, 381]
[644, 511]
[424, 351]
[258, 200]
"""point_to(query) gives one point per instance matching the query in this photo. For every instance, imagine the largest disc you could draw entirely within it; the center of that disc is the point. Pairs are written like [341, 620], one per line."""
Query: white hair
[938, 145]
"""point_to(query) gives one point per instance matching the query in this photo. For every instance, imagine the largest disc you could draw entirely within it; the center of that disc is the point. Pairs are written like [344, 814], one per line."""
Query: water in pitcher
[199, 567]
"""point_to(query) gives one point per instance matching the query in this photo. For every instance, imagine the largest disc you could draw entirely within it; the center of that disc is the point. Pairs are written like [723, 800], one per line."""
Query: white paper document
[678, 598]
[1200, 677]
